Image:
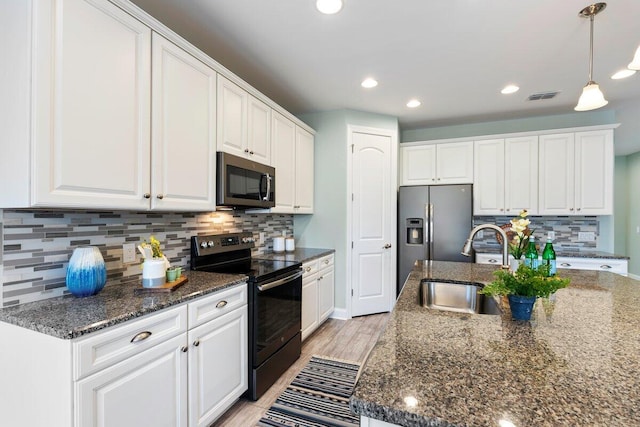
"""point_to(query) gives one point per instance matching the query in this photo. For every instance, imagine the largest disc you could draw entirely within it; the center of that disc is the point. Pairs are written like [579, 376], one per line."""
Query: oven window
[278, 316]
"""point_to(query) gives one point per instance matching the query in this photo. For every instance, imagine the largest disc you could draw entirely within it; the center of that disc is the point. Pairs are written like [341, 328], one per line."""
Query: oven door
[244, 183]
[277, 317]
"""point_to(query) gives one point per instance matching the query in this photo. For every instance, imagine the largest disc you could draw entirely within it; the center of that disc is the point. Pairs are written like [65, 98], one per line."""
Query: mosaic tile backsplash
[37, 244]
[566, 229]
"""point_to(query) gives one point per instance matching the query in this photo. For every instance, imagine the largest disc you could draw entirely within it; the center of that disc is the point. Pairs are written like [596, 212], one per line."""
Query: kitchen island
[577, 362]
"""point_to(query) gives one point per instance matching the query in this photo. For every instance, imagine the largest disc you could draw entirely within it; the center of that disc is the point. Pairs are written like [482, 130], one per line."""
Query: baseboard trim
[633, 276]
[340, 314]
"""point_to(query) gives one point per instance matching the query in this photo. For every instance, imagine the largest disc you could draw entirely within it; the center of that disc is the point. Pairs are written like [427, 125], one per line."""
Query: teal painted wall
[327, 227]
[621, 205]
[508, 126]
[633, 197]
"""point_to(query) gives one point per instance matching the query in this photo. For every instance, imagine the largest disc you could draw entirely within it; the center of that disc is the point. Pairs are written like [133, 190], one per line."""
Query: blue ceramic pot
[86, 273]
[521, 307]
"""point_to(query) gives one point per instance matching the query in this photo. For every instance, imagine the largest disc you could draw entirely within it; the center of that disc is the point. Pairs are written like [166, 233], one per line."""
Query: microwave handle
[268, 177]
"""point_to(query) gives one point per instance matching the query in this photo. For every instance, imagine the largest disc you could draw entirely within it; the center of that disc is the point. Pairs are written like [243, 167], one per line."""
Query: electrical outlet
[128, 253]
[586, 236]
[551, 235]
[261, 237]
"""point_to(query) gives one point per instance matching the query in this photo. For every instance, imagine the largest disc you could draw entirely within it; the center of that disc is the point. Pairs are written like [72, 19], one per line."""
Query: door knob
[387, 246]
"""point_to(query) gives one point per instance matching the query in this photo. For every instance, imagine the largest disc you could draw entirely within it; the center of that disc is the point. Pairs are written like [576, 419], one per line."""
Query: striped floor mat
[317, 397]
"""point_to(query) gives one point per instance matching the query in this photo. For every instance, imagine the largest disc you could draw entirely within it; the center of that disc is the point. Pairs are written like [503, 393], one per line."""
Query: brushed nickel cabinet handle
[606, 267]
[565, 264]
[221, 304]
[141, 336]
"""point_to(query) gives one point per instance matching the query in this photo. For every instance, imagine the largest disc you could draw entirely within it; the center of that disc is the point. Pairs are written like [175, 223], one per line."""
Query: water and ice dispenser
[415, 231]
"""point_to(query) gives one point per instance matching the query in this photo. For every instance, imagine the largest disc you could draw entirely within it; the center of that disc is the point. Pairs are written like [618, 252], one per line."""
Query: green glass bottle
[549, 257]
[531, 255]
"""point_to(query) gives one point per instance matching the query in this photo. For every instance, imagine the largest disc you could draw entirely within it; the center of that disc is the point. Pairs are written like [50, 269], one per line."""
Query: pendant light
[591, 97]
[635, 64]
[329, 7]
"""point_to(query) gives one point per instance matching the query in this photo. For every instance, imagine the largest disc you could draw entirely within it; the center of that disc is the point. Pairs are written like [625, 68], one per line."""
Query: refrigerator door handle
[429, 217]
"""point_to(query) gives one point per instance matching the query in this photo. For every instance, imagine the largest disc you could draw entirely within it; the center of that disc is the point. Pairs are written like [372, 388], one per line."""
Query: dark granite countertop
[298, 255]
[70, 317]
[560, 252]
[577, 362]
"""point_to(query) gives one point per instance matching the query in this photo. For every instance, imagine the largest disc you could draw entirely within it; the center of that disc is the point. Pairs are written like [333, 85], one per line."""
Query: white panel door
[259, 132]
[418, 165]
[372, 224]
[183, 154]
[454, 163]
[283, 148]
[521, 175]
[488, 187]
[92, 106]
[304, 172]
[232, 118]
[594, 172]
[217, 366]
[149, 389]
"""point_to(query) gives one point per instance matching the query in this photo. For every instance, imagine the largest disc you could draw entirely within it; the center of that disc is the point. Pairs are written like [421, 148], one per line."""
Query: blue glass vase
[521, 307]
[86, 273]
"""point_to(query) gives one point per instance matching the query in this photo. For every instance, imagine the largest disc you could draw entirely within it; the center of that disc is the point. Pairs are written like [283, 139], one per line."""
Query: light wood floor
[349, 340]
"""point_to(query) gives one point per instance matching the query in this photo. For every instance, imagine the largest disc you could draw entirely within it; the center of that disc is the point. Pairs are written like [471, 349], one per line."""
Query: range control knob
[203, 244]
[210, 244]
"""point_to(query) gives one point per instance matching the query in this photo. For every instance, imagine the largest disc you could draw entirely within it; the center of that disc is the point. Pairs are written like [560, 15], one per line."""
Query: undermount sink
[462, 297]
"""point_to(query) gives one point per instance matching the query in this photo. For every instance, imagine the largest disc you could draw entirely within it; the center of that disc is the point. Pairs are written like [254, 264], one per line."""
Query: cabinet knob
[326, 261]
[141, 336]
[196, 343]
[251, 152]
[160, 196]
[246, 150]
[321, 277]
[184, 349]
[387, 246]
[571, 209]
[308, 269]
[146, 195]
[578, 209]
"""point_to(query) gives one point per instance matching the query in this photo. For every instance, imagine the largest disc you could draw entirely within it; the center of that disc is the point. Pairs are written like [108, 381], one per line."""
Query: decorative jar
[86, 273]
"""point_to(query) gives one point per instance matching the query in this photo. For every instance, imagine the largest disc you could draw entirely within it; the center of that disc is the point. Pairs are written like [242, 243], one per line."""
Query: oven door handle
[276, 283]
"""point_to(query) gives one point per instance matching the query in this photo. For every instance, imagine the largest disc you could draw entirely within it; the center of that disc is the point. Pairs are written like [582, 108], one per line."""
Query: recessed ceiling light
[413, 103]
[509, 89]
[369, 83]
[329, 7]
[623, 74]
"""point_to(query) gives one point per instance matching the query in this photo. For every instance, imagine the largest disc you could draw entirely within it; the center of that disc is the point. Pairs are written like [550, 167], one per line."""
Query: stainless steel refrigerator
[433, 224]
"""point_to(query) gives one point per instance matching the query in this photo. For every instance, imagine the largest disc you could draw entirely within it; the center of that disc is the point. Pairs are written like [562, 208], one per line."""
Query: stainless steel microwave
[243, 183]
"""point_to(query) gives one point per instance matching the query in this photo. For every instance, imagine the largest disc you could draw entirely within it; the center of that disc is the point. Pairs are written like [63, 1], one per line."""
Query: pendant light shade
[635, 64]
[592, 97]
[329, 7]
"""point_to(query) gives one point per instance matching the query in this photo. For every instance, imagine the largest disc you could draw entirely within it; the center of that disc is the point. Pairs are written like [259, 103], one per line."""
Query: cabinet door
[149, 389]
[326, 283]
[304, 172]
[217, 366]
[184, 133]
[309, 304]
[232, 118]
[521, 175]
[91, 106]
[594, 172]
[556, 174]
[488, 187]
[418, 165]
[283, 146]
[259, 122]
[454, 163]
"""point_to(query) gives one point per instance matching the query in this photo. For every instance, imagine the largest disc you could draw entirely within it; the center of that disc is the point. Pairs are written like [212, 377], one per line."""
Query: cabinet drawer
[103, 349]
[601, 264]
[325, 261]
[309, 268]
[211, 307]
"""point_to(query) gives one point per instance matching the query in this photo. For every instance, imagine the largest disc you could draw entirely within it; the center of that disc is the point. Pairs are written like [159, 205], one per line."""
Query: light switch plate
[128, 253]
[586, 236]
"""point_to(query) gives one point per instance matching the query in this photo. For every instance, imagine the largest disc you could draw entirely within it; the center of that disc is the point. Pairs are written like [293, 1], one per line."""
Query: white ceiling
[453, 55]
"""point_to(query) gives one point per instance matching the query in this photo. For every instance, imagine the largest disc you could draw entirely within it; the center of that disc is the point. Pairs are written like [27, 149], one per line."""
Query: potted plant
[523, 286]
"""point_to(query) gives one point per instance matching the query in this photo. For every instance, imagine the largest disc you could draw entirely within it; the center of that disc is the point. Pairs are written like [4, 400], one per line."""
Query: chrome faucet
[466, 250]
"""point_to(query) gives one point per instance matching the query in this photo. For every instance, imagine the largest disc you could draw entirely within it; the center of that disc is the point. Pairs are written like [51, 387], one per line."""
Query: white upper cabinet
[506, 176]
[292, 153]
[243, 123]
[576, 173]
[428, 164]
[91, 109]
[183, 151]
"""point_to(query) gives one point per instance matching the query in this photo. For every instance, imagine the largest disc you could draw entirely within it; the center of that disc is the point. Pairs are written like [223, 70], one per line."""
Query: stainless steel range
[275, 302]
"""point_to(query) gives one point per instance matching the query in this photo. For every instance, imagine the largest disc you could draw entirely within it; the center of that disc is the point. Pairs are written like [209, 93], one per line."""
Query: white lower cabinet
[183, 366]
[613, 265]
[318, 283]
